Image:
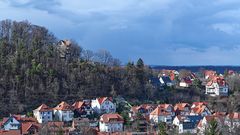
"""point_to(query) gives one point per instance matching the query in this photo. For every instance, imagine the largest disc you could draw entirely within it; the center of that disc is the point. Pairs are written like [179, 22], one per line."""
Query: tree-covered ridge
[32, 71]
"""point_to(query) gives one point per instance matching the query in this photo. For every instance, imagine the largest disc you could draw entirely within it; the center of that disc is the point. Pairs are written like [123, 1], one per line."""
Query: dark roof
[166, 79]
[188, 125]
[194, 118]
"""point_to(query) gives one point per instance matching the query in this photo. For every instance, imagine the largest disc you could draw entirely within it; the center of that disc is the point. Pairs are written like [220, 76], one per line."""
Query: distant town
[115, 115]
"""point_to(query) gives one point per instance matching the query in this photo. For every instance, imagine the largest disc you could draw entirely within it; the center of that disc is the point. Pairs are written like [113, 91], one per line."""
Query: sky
[161, 32]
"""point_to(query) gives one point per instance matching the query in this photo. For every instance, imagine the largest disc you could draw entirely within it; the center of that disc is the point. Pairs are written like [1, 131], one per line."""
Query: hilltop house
[185, 82]
[209, 74]
[111, 123]
[217, 87]
[43, 114]
[63, 112]
[104, 105]
[166, 81]
[161, 114]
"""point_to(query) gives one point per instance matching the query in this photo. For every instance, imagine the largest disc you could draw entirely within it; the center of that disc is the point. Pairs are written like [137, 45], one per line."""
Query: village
[103, 115]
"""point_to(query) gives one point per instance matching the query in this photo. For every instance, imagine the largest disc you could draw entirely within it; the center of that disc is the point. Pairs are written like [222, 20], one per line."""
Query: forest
[34, 71]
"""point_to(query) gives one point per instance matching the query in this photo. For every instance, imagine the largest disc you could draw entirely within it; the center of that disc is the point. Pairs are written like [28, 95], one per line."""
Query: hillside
[33, 70]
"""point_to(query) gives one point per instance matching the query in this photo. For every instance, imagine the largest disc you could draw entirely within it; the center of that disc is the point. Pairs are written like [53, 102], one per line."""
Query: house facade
[160, 115]
[217, 87]
[182, 109]
[43, 114]
[111, 123]
[103, 105]
[82, 108]
[10, 123]
[63, 112]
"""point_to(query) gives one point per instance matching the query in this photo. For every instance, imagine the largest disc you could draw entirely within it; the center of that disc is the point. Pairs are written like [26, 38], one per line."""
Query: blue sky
[164, 32]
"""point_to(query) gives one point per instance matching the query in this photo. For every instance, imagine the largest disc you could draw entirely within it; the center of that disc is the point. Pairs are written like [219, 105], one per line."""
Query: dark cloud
[161, 32]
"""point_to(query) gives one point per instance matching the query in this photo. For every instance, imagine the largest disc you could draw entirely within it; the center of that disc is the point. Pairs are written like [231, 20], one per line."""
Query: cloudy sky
[163, 32]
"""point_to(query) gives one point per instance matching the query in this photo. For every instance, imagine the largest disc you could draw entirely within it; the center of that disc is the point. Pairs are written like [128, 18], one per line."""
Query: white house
[160, 115]
[10, 123]
[43, 114]
[103, 105]
[111, 123]
[63, 112]
[217, 87]
[186, 124]
[187, 127]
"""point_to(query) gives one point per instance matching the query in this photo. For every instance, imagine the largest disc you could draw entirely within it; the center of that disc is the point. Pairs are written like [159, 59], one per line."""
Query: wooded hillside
[32, 71]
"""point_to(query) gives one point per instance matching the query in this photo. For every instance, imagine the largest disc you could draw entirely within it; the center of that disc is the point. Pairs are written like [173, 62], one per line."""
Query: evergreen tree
[162, 128]
[212, 128]
[140, 63]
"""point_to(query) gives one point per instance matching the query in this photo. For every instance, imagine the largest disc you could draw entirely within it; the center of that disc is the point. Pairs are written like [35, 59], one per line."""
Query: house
[103, 105]
[160, 115]
[144, 110]
[82, 108]
[232, 120]
[167, 108]
[166, 81]
[200, 108]
[182, 109]
[187, 127]
[185, 82]
[29, 128]
[43, 113]
[209, 74]
[217, 87]
[10, 123]
[111, 123]
[188, 118]
[63, 112]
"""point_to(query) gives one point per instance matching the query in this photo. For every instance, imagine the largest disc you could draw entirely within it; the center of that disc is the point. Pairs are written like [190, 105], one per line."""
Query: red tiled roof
[220, 114]
[108, 117]
[234, 115]
[159, 111]
[219, 80]
[78, 104]
[26, 126]
[63, 106]
[10, 132]
[43, 108]
[199, 103]
[102, 99]
[180, 106]
[55, 124]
